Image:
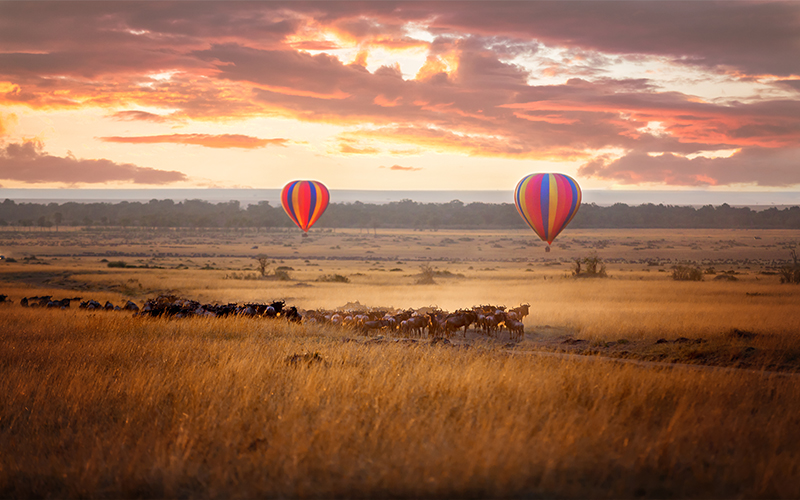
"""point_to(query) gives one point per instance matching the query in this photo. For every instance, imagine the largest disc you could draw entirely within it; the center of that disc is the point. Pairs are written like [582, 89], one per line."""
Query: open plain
[628, 385]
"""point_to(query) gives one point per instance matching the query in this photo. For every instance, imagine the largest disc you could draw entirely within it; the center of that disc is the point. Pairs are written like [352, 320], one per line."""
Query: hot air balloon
[304, 202]
[547, 202]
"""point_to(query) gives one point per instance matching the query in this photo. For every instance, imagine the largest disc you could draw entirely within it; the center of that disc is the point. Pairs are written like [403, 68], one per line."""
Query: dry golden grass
[98, 405]
[105, 405]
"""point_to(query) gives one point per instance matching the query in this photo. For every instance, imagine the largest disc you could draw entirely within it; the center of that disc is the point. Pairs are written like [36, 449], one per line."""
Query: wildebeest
[488, 319]
[521, 311]
[373, 324]
[35, 301]
[458, 319]
[90, 305]
[416, 324]
[516, 329]
[62, 303]
[130, 306]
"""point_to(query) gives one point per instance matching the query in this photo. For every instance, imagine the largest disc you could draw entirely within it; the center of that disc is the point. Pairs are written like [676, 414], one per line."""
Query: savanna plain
[631, 384]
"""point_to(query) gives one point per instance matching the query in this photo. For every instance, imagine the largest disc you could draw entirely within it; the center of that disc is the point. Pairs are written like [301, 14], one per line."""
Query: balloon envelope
[304, 202]
[547, 202]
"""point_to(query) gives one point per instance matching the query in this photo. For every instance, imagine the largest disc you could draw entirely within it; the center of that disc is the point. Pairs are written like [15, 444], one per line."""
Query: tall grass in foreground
[102, 405]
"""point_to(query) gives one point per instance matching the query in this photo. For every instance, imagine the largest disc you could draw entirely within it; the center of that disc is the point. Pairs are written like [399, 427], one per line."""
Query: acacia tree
[263, 263]
[594, 267]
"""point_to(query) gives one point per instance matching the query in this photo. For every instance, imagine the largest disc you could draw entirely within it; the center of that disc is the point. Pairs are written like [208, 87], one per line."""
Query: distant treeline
[403, 214]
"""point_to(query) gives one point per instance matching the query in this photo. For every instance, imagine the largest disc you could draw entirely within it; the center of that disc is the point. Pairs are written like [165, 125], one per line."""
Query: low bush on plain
[790, 273]
[333, 278]
[686, 273]
[589, 267]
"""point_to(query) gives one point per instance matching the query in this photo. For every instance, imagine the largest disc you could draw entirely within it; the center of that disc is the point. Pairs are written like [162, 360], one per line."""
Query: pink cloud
[755, 37]
[135, 115]
[774, 168]
[248, 59]
[402, 169]
[27, 162]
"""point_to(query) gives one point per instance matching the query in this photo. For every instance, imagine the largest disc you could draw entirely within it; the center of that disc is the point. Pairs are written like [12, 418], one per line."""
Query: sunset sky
[400, 95]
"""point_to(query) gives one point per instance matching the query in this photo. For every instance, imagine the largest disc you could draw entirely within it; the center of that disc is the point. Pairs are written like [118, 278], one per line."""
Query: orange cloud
[205, 140]
[381, 100]
[400, 44]
[304, 93]
[5, 121]
[346, 148]
[433, 67]
[316, 45]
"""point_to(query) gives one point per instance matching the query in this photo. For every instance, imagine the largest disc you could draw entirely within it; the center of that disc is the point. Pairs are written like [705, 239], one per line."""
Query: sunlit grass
[102, 405]
[97, 404]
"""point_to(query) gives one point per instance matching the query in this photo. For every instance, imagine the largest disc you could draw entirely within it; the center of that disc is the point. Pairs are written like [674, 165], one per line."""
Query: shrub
[686, 273]
[790, 273]
[426, 274]
[242, 276]
[282, 275]
[333, 278]
[589, 267]
[117, 263]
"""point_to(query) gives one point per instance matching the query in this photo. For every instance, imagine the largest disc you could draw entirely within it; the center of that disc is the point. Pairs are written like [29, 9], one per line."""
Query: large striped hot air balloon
[547, 202]
[304, 202]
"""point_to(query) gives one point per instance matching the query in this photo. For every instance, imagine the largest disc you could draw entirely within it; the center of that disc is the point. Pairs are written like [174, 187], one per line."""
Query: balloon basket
[305, 235]
[547, 249]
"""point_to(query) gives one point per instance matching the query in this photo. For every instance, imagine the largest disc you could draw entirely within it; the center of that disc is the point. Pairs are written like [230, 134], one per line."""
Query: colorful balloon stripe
[547, 203]
[304, 202]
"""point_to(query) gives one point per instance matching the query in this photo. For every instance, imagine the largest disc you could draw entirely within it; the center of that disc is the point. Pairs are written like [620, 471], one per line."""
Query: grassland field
[102, 404]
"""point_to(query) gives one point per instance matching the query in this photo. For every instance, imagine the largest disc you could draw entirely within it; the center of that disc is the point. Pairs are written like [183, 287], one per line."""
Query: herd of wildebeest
[490, 320]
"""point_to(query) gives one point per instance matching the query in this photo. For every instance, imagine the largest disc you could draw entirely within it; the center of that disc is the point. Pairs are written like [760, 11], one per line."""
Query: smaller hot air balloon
[304, 202]
[547, 202]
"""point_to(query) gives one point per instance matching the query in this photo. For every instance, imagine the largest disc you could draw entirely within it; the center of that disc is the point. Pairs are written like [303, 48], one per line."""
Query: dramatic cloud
[206, 140]
[632, 90]
[27, 162]
[761, 167]
[752, 37]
